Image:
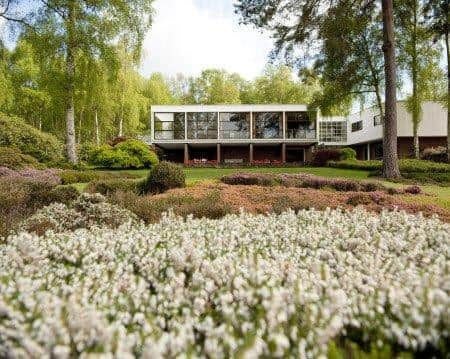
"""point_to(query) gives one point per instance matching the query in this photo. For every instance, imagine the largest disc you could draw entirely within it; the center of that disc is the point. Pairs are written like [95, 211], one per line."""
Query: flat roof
[229, 108]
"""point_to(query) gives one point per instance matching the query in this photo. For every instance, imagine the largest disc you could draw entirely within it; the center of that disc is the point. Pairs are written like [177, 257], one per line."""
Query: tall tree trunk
[448, 97]
[97, 134]
[390, 160]
[70, 73]
[415, 94]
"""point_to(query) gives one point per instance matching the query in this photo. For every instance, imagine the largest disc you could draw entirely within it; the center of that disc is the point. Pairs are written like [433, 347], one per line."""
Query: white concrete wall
[433, 124]
[369, 132]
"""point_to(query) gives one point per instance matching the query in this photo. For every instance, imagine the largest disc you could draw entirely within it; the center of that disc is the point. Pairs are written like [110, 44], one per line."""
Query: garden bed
[311, 284]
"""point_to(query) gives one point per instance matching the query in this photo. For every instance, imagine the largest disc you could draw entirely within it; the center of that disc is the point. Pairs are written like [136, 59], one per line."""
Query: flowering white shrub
[245, 285]
[87, 211]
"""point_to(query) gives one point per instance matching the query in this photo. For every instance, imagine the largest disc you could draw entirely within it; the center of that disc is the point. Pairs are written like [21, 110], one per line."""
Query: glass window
[299, 125]
[268, 125]
[169, 126]
[357, 126]
[234, 125]
[377, 120]
[333, 131]
[202, 125]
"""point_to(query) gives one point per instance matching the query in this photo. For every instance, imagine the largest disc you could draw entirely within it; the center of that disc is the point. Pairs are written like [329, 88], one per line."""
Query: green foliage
[418, 170]
[373, 165]
[29, 140]
[20, 198]
[14, 159]
[126, 154]
[410, 165]
[162, 177]
[322, 156]
[64, 194]
[348, 153]
[73, 176]
[139, 149]
[150, 208]
[109, 186]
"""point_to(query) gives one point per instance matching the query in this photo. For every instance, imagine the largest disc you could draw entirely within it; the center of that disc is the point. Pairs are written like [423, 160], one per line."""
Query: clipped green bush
[373, 165]
[110, 186]
[16, 133]
[14, 159]
[411, 165]
[126, 154]
[140, 150]
[163, 177]
[348, 153]
[73, 176]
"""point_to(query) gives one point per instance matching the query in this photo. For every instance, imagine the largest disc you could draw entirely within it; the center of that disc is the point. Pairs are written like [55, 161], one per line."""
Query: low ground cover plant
[49, 176]
[296, 285]
[304, 180]
[110, 186]
[162, 177]
[86, 211]
[20, 198]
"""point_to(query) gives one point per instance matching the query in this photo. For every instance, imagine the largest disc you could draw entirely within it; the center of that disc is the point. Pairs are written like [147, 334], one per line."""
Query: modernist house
[234, 133]
[281, 133]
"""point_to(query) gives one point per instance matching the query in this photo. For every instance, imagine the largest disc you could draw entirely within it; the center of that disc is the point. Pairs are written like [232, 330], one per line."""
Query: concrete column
[283, 152]
[250, 156]
[251, 125]
[185, 126]
[186, 153]
[218, 153]
[284, 125]
[368, 152]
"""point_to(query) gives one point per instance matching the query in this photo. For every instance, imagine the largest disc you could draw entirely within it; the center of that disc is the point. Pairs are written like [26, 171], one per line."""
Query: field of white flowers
[245, 285]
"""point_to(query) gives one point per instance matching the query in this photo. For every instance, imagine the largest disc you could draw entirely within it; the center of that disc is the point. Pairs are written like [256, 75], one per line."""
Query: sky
[188, 36]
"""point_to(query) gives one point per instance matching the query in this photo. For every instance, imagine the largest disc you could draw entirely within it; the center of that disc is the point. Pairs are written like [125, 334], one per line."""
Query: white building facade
[264, 134]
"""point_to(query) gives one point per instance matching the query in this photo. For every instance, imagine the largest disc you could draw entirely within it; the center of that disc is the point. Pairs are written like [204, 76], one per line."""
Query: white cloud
[188, 36]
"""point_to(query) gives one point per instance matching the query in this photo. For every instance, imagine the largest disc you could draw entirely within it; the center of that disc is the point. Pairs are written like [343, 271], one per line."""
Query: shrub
[73, 176]
[87, 211]
[140, 150]
[322, 156]
[436, 154]
[373, 165]
[423, 177]
[49, 176]
[163, 177]
[109, 186]
[29, 140]
[410, 165]
[413, 190]
[348, 153]
[64, 194]
[14, 159]
[359, 199]
[259, 179]
[19, 198]
[126, 154]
